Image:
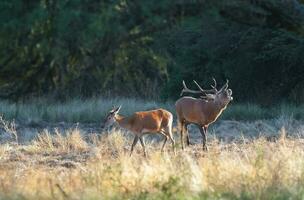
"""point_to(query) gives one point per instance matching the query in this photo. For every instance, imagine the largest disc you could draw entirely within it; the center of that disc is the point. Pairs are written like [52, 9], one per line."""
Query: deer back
[147, 121]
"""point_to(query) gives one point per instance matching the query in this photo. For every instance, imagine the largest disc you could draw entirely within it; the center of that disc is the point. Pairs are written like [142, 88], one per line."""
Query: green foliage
[145, 49]
[97, 46]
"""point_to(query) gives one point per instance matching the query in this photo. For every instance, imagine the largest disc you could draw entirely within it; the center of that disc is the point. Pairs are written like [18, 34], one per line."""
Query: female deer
[141, 123]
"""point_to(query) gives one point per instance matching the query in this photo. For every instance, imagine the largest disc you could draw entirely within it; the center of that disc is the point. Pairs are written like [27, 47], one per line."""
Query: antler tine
[183, 90]
[186, 89]
[201, 89]
[225, 86]
[214, 86]
[227, 82]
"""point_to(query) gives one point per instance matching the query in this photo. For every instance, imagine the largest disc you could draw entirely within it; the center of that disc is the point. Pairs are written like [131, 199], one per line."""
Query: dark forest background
[145, 48]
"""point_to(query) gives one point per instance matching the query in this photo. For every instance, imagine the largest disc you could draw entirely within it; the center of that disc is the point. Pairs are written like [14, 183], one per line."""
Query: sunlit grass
[72, 165]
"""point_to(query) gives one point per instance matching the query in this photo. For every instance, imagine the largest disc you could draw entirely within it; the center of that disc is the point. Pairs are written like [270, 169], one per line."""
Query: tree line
[145, 48]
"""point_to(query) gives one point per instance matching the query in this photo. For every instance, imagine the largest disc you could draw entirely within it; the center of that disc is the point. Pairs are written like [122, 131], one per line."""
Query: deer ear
[117, 109]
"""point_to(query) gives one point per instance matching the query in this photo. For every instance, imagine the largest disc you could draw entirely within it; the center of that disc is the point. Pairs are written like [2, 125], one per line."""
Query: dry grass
[9, 128]
[71, 166]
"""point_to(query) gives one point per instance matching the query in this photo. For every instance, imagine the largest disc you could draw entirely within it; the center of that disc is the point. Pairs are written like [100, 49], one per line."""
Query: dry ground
[72, 164]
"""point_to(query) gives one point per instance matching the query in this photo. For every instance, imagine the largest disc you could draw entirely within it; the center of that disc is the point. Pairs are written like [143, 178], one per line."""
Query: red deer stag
[201, 111]
[141, 123]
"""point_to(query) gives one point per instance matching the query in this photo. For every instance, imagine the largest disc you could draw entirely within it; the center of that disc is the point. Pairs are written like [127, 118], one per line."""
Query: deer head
[111, 117]
[224, 95]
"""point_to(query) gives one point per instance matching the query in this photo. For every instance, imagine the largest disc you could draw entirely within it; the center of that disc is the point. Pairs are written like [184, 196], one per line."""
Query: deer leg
[171, 138]
[182, 133]
[133, 144]
[188, 140]
[203, 131]
[173, 144]
[166, 138]
[142, 142]
[206, 133]
[187, 133]
[168, 133]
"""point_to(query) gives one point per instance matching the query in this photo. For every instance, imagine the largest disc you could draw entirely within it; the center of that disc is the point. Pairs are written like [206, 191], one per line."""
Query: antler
[205, 91]
[200, 91]
[225, 86]
[214, 86]
[186, 89]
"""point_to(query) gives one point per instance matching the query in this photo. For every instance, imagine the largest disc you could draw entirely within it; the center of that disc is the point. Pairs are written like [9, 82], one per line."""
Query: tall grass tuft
[70, 141]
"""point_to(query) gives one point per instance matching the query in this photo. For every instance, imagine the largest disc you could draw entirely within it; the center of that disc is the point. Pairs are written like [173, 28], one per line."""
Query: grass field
[262, 159]
[74, 166]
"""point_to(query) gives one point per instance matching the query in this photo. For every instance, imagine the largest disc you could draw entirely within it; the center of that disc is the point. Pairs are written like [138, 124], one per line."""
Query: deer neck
[122, 121]
[217, 107]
